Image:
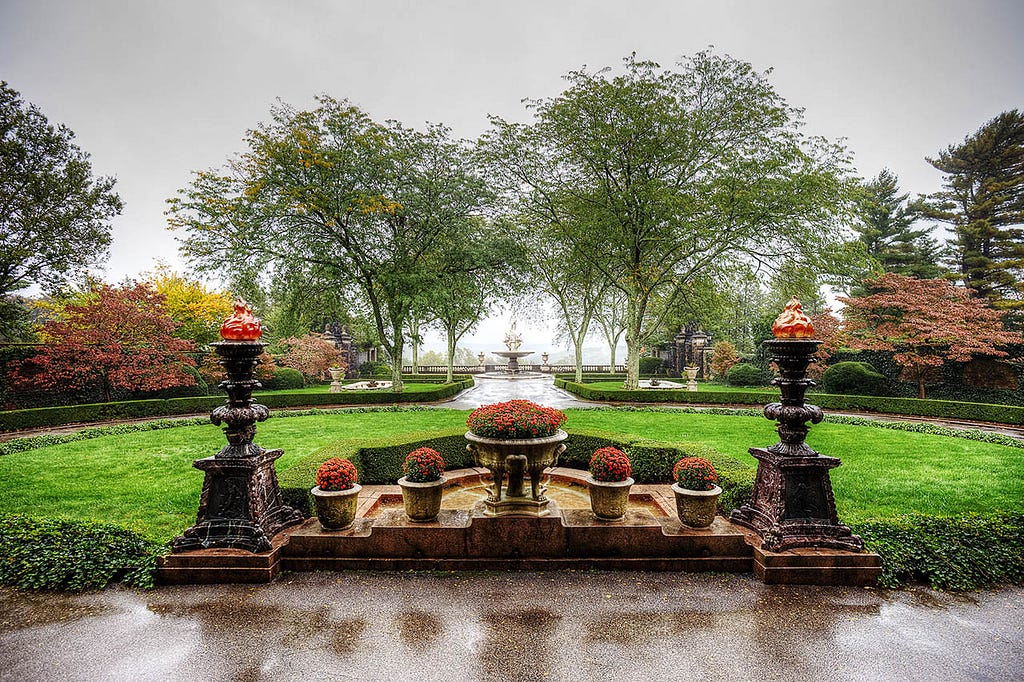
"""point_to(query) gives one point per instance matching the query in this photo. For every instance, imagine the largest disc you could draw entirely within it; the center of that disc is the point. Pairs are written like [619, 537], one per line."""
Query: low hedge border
[60, 554]
[13, 420]
[948, 409]
[949, 553]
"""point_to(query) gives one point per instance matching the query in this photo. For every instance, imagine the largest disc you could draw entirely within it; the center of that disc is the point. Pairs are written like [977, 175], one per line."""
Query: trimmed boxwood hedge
[946, 409]
[380, 461]
[134, 409]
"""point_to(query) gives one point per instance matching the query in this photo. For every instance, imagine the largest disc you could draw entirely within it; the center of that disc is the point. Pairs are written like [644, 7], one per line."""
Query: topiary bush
[651, 365]
[284, 378]
[853, 378]
[374, 370]
[744, 374]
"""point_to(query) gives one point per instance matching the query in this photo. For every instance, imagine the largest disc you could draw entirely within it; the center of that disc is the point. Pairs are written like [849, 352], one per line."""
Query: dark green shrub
[853, 378]
[744, 374]
[651, 365]
[375, 369]
[953, 553]
[56, 554]
[284, 378]
[1002, 414]
[134, 409]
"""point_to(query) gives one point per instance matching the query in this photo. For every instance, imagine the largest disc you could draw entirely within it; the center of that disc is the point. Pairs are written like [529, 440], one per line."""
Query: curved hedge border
[13, 420]
[948, 409]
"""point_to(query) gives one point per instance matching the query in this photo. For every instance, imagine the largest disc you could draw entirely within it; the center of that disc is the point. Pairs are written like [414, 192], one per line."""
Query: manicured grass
[883, 473]
[145, 480]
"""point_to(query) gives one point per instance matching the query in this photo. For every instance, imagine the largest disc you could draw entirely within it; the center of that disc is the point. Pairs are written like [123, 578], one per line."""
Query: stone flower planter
[609, 500]
[696, 508]
[422, 500]
[336, 509]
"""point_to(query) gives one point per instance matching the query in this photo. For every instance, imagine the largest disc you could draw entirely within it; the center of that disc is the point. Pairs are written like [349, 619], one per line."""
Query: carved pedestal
[792, 503]
[241, 505]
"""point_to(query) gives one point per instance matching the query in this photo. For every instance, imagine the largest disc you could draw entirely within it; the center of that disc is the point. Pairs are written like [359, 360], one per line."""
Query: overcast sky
[155, 90]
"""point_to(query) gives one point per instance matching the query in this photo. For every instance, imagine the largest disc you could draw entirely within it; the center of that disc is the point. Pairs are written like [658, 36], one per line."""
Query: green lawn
[701, 387]
[145, 480]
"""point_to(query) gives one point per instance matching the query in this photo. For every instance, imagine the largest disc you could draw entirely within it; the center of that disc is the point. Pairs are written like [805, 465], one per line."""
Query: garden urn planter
[696, 508]
[422, 500]
[609, 500]
[691, 378]
[337, 374]
[521, 459]
[336, 509]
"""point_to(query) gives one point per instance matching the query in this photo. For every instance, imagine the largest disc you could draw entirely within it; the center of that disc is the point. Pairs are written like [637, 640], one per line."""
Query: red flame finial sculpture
[242, 325]
[792, 323]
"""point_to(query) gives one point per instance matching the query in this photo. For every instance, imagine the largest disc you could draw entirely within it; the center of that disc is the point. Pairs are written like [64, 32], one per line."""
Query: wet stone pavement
[512, 626]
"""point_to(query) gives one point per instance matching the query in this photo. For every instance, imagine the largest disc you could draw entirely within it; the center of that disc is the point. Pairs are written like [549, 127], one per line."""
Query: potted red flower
[517, 437]
[696, 489]
[422, 484]
[609, 483]
[336, 494]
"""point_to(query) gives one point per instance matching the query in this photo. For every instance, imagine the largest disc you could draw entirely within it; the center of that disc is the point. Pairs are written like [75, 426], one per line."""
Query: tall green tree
[367, 203]
[655, 175]
[54, 215]
[983, 200]
[884, 224]
[470, 275]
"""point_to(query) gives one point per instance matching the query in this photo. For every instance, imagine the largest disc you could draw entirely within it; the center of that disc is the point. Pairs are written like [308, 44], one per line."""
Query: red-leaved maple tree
[924, 322]
[312, 355]
[119, 339]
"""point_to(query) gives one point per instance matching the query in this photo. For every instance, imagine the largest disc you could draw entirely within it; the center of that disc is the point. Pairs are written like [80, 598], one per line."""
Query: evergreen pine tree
[983, 200]
[886, 228]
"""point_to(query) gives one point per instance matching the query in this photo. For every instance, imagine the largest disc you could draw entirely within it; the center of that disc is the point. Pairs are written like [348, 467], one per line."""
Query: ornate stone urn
[609, 500]
[691, 378]
[518, 458]
[337, 374]
[696, 508]
[336, 509]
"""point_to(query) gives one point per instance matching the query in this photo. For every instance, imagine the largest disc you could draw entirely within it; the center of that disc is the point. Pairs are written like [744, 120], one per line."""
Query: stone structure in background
[691, 347]
[240, 506]
[337, 334]
[792, 504]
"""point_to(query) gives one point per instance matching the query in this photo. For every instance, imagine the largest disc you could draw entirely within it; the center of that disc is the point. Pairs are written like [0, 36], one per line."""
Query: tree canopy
[53, 213]
[924, 322]
[331, 192]
[654, 175]
[983, 201]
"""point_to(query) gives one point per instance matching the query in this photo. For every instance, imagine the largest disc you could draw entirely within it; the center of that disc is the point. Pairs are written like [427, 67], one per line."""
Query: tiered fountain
[512, 341]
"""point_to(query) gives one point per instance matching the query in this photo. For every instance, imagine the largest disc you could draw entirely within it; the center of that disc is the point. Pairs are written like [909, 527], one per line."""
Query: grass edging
[947, 409]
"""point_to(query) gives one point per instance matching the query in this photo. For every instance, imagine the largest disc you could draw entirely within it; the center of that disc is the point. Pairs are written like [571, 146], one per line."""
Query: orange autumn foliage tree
[117, 339]
[924, 322]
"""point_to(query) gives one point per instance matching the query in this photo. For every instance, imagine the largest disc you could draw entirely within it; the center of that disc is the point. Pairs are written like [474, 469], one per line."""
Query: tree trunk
[451, 355]
[920, 387]
[396, 348]
[414, 327]
[577, 343]
[611, 363]
[634, 321]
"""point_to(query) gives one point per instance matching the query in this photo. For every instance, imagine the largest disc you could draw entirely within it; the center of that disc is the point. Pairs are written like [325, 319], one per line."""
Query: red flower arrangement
[337, 474]
[610, 465]
[695, 473]
[515, 419]
[423, 465]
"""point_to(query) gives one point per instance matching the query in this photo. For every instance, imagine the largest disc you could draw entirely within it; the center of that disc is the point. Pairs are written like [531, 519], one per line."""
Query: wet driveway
[512, 626]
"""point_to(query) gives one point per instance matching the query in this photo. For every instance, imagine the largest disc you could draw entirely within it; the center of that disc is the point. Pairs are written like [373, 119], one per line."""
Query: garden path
[511, 626]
